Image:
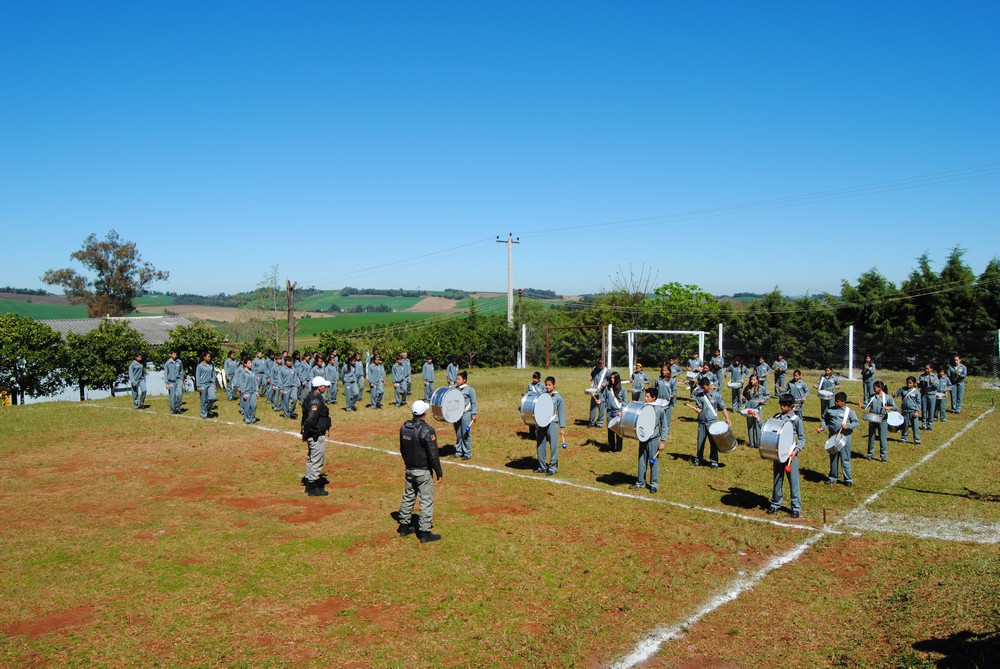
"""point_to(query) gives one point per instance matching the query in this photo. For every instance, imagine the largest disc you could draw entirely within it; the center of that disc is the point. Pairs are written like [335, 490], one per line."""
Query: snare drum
[941, 396]
[722, 436]
[873, 417]
[613, 425]
[835, 443]
[895, 421]
[735, 385]
[825, 394]
[777, 440]
[692, 376]
[638, 421]
[537, 409]
[448, 404]
[591, 391]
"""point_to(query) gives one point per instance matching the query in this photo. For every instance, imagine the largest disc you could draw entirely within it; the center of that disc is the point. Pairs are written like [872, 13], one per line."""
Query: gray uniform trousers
[713, 452]
[928, 407]
[249, 405]
[139, 394]
[647, 455]
[315, 458]
[463, 437]
[548, 435]
[175, 395]
[882, 430]
[841, 458]
[419, 483]
[778, 469]
[428, 391]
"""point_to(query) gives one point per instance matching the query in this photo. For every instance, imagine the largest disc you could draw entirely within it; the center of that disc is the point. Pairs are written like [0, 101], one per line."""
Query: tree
[30, 357]
[100, 358]
[190, 341]
[121, 276]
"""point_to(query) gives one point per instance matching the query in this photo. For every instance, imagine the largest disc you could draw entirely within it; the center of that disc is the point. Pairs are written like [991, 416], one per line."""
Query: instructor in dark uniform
[315, 426]
[419, 448]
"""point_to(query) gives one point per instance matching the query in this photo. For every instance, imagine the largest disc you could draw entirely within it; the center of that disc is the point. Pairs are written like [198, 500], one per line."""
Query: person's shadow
[686, 457]
[616, 479]
[811, 475]
[446, 451]
[742, 498]
[523, 463]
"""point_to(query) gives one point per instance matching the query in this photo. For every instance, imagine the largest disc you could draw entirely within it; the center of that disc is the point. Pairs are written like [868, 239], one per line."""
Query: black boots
[316, 488]
[427, 536]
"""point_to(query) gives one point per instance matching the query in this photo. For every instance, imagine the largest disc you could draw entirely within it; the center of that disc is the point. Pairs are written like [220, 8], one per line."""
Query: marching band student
[359, 374]
[799, 390]
[868, 377]
[881, 404]
[245, 384]
[829, 381]
[173, 374]
[708, 402]
[786, 402]
[599, 380]
[550, 434]
[260, 372]
[137, 379]
[271, 368]
[288, 388]
[451, 372]
[957, 373]
[928, 397]
[676, 371]
[376, 381]
[755, 397]
[707, 373]
[718, 366]
[204, 381]
[910, 395]
[319, 368]
[666, 390]
[399, 381]
[840, 418]
[303, 374]
[650, 449]
[350, 376]
[427, 376]
[407, 375]
[639, 381]
[535, 386]
[780, 368]
[736, 371]
[694, 364]
[762, 369]
[943, 386]
[229, 368]
[463, 428]
[333, 370]
[614, 400]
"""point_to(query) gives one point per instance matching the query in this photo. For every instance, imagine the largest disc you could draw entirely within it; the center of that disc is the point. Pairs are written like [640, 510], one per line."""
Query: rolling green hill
[322, 301]
[43, 311]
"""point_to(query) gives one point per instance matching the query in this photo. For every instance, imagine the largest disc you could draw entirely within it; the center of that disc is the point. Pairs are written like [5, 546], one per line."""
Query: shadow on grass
[583, 422]
[968, 494]
[686, 457]
[523, 463]
[446, 451]
[616, 479]
[742, 499]
[963, 649]
[811, 475]
[526, 435]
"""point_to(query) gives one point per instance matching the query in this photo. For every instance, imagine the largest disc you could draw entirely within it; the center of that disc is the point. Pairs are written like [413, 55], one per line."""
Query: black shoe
[316, 489]
[653, 490]
[795, 514]
[771, 510]
[551, 472]
[427, 536]
[637, 486]
[849, 484]
[405, 530]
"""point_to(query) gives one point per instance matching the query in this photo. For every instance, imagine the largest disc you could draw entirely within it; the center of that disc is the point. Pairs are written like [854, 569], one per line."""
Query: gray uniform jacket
[136, 373]
[173, 371]
[204, 375]
[427, 372]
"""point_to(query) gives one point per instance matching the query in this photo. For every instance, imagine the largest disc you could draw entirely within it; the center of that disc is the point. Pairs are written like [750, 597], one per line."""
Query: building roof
[154, 329]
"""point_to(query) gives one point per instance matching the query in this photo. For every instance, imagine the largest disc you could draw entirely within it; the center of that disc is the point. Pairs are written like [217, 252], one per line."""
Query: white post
[631, 351]
[720, 341]
[850, 352]
[608, 361]
[524, 345]
[701, 346]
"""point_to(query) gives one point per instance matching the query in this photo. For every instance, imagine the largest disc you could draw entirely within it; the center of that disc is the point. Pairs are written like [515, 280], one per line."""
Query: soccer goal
[658, 355]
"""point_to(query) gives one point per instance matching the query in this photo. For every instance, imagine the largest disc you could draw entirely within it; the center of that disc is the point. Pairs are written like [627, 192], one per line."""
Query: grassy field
[311, 327]
[43, 311]
[323, 301]
[154, 301]
[488, 305]
[136, 538]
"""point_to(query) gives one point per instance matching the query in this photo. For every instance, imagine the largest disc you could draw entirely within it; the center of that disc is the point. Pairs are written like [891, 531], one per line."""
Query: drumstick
[562, 435]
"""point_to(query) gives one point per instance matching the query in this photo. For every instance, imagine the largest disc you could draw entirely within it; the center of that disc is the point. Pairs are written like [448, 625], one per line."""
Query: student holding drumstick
[880, 404]
[779, 469]
[840, 419]
[708, 402]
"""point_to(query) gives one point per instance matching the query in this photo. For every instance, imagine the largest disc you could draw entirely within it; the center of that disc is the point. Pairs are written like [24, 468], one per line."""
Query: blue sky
[388, 144]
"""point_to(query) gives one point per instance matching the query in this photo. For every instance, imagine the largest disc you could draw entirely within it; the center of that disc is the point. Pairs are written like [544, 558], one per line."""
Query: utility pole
[290, 294]
[510, 241]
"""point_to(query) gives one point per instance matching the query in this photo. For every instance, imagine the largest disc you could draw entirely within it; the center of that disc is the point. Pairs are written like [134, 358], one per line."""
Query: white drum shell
[873, 417]
[638, 421]
[537, 409]
[825, 394]
[735, 385]
[448, 404]
[835, 443]
[895, 421]
[777, 440]
[722, 436]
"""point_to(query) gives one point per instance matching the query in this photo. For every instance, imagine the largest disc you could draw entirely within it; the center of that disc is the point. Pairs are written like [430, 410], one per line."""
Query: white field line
[527, 477]
[651, 642]
[928, 528]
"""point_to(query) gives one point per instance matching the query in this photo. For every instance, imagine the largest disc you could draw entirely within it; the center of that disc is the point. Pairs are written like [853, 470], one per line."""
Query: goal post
[631, 334]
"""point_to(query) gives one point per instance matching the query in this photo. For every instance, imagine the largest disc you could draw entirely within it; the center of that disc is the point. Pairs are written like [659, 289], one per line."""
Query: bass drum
[895, 421]
[638, 421]
[448, 404]
[777, 440]
[722, 436]
[537, 409]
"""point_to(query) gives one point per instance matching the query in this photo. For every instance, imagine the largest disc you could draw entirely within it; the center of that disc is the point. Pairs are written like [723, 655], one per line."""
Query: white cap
[320, 381]
[420, 407]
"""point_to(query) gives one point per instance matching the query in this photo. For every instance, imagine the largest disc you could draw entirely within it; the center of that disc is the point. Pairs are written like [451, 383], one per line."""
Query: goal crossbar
[630, 334]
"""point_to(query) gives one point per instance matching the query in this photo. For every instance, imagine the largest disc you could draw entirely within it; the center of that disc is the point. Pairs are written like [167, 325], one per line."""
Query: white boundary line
[548, 479]
[651, 642]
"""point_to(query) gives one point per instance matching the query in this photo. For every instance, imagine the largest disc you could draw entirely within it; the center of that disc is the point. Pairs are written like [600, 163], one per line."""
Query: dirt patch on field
[433, 305]
[73, 618]
[495, 510]
[328, 610]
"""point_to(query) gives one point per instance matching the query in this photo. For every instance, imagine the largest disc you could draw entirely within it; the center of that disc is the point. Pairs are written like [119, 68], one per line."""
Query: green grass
[43, 311]
[171, 541]
[309, 327]
[323, 301]
[488, 305]
[154, 301]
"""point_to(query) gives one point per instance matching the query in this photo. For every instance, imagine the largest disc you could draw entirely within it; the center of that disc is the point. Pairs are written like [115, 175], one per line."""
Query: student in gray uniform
[427, 376]
[204, 383]
[320, 368]
[694, 364]
[762, 369]
[780, 368]
[303, 374]
[333, 369]
[614, 403]
[260, 371]
[928, 397]
[376, 381]
[787, 415]
[271, 368]
[550, 435]
[359, 372]
[463, 428]
[755, 396]
[707, 404]
[137, 379]
[399, 382]
[407, 375]
[799, 390]
[246, 385]
[535, 386]
[349, 374]
[229, 368]
[880, 403]
[910, 403]
[957, 373]
[717, 364]
[829, 382]
[840, 419]
[676, 371]
[288, 388]
[666, 393]
[868, 377]
[173, 376]
[707, 373]
[650, 449]
[451, 372]
[943, 386]
[737, 372]
[598, 380]
[639, 381]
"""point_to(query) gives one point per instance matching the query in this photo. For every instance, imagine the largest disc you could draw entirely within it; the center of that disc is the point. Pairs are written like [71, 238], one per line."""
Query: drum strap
[708, 405]
[847, 414]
